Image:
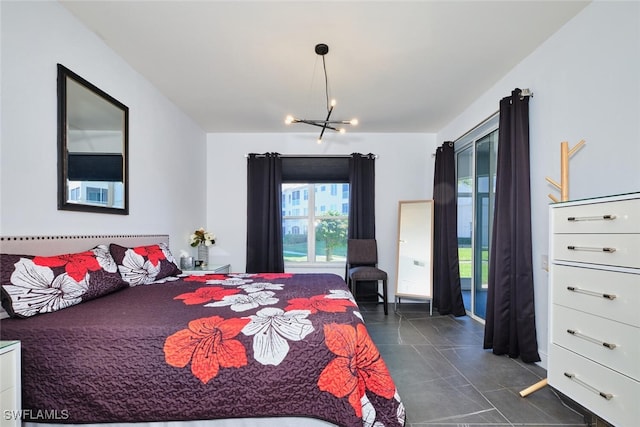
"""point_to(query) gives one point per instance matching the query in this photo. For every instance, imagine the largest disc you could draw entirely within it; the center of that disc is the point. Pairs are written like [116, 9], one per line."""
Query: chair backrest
[362, 251]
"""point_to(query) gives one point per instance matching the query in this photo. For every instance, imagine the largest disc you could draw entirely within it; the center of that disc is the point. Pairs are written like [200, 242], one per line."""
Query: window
[74, 194]
[97, 195]
[317, 232]
[318, 235]
[295, 198]
[476, 157]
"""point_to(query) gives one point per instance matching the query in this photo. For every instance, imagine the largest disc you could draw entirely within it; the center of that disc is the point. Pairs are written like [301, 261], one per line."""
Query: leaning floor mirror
[93, 132]
[415, 250]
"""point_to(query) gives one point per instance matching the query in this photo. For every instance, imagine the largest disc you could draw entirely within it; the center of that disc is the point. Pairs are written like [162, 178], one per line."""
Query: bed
[238, 349]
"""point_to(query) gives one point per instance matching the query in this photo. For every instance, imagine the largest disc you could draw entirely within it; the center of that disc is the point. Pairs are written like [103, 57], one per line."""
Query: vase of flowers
[202, 240]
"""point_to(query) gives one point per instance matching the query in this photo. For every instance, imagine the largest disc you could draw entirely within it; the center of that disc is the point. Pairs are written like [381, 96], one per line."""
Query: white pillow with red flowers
[37, 284]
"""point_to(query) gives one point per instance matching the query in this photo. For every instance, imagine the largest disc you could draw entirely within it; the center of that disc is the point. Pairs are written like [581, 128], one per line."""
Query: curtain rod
[345, 156]
[523, 93]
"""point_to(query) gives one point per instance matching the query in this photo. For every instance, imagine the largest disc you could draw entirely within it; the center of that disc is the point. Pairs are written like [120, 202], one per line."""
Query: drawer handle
[573, 377]
[573, 332]
[592, 293]
[590, 249]
[592, 218]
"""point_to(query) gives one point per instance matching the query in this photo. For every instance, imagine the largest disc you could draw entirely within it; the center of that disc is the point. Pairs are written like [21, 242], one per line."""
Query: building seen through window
[315, 220]
[100, 193]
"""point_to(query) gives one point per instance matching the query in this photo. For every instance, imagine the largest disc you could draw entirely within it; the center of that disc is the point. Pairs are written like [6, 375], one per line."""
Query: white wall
[404, 171]
[586, 84]
[166, 162]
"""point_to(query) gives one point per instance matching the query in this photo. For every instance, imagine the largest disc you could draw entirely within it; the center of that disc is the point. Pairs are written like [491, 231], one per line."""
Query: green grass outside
[465, 256]
[297, 252]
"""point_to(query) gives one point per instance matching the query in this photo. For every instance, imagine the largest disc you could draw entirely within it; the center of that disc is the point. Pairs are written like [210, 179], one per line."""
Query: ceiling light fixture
[322, 49]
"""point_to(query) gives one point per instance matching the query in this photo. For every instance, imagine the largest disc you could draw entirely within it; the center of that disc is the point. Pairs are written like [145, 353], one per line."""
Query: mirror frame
[425, 259]
[63, 155]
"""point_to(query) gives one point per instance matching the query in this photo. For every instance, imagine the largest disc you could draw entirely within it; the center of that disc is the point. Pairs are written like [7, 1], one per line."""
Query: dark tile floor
[446, 378]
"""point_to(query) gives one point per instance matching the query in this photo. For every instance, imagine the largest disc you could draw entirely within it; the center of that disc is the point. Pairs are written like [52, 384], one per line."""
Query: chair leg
[384, 296]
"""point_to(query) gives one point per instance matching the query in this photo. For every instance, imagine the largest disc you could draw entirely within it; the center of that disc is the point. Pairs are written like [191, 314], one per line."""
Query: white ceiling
[398, 66]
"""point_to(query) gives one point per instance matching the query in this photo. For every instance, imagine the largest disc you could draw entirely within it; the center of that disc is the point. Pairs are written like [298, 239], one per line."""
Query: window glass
[97, 195]
[315, 231]
[476, 156]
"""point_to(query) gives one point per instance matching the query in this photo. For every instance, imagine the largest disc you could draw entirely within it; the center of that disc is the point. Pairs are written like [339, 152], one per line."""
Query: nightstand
[211, 269]
[10, 391]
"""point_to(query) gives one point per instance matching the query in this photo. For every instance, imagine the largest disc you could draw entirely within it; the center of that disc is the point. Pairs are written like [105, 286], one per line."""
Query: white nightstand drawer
[9, 413]
[609, 294]
[607, 342]
[621, 250]
[612, 217]
[8, 363]
[589, 379]
[211, 269]
[10, 385]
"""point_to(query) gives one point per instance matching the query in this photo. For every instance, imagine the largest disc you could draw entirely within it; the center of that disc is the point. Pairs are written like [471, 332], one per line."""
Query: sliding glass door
[476, 156]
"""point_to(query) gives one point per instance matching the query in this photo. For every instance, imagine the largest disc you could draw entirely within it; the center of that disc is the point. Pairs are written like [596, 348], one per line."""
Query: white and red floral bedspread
[206, 347]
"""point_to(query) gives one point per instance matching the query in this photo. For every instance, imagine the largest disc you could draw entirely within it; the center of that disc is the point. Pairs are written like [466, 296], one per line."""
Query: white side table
[211, 269]
[10, 384]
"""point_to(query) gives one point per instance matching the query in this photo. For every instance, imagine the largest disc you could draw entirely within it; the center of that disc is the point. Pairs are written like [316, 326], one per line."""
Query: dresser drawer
[621, 250]
[589, 379]
[611, 217]
[609, 294]
[607, 342]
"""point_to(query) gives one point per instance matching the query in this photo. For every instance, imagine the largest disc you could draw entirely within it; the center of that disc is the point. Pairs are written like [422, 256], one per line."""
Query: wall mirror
[93, 138]
[415, 249]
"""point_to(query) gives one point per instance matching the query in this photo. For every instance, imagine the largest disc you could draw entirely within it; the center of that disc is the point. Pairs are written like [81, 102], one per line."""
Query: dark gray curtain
[362, 183]
[362, 220]
[447, 293]
[264, 214]
[510, 326]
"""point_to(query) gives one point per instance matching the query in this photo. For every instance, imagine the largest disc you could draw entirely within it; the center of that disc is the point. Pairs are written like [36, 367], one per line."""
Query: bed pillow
[37, 284]
[144, 265]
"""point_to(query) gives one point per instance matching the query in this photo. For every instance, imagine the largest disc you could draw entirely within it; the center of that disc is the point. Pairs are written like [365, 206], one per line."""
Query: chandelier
[322, 49]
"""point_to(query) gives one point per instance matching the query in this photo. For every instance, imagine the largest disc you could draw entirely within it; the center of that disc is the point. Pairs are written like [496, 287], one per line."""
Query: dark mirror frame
[63, 155]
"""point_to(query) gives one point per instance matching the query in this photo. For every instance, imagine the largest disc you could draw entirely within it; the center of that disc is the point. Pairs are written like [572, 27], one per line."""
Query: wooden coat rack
[565, 153]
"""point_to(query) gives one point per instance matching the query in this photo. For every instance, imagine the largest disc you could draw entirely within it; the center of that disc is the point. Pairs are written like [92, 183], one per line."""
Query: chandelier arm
[321, 122]
[325, 122]
[318, 123]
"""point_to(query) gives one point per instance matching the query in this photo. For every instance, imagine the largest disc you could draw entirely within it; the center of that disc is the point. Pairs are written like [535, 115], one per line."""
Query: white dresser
[10, 390]
[594, 279]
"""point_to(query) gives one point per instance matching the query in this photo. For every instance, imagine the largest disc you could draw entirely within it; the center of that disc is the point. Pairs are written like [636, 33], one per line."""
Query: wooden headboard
[54, 245]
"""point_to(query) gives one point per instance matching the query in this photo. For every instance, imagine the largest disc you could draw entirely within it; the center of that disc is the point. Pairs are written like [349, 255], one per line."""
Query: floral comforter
[207, 347]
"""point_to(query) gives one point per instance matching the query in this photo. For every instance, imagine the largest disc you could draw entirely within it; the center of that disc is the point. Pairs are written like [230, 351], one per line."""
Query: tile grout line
[465, 377]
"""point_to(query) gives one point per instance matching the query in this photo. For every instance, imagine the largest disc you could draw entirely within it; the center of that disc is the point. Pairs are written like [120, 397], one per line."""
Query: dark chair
[362, 261]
